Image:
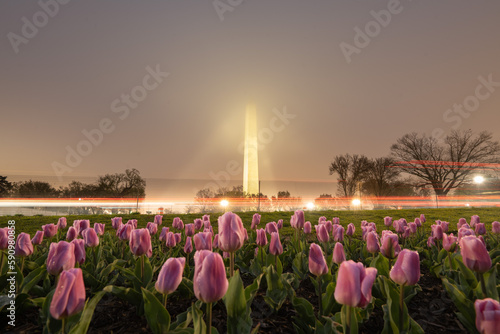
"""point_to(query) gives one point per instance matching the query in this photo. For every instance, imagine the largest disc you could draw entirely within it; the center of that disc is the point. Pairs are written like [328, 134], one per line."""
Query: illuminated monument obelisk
[251, 159]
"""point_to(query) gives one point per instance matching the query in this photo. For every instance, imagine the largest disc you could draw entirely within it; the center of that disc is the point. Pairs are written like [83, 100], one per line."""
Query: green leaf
[415, 327]
[382, 264]
[490, 279]
[468, 274]
[442, 254]
[128, 294]
[252, 289]
[305, 313]
[157, 316]
[199, 325]
[84, 322]
[238, 315]
[32, 279]
[329, 303]
[463, 304]
[353, 320]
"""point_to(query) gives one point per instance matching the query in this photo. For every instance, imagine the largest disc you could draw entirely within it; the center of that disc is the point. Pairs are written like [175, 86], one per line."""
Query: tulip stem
[449, 260]
[63, 325]
[348, 319]
[483, 284]
[401, 306]
[22, 264]
[231, 264]
[209, 318]
[142, 268]
[165, 300]
[1, 265]
[320, 290]
[261, 255]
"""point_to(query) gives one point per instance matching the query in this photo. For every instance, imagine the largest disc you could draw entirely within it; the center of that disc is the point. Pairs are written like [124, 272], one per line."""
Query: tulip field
[401, 271]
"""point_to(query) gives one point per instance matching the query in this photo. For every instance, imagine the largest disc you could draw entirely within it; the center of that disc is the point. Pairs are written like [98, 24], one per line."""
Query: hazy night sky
[283, 53]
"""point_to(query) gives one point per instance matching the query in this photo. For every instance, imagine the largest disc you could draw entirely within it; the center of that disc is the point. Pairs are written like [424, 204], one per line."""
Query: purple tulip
[72, 233]
[189, 229]
[255, 221]
[140, 242]
[365, 230]
[317, 263]
[437, 232]
[449, 242]
[322, 233]
[307, 227]
[90, 237]
[49, 230]
[178, 237]
[170, 240]
[406, 270]
[198, 224]
[152, 228]
[495, 227]
[480, 229]
[271, 227]
[83, 225]
[62, 223]
[203, 241]
[99, 228]
[125, 231]
[422, 218]
[69, 296]
[444, 226]
[417, 222]
[474, 254]
[38, 238]
[158, 220]
[413, 227]
[387, 221]
[321, 220]
[188, 246]
[206, 218]
[298, 220]
[4, 237]
[338, 253]
[461, 222]
[338, 236]
[275, 246]
[354, 284]
[372, 244]
[280, 224]
[79, 250]
[61, 257]
[215, 243]
[261, 237]
[23, 245]
[389, 244]
[206, 224]
[474, 220]
[430, 242]
[487, 316]
[163, 234]
[231, 232]
[209, 281]
[116, 222]
[350, 230]
[133, 222]
[170, 275]
[465, 231]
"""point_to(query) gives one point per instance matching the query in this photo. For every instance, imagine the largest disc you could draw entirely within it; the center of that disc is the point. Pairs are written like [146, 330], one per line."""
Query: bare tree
[445, 166]
[351, 169]
[381, 177]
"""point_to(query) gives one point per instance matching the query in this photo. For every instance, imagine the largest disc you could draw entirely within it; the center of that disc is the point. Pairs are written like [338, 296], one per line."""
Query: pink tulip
[335, 220]
[275, 246]
[322, 233]
[389, 244]
[487, 316]
[158, 220]
[298, 220]
[431, 242]
[338, 253]
[461, 222]
[338, 236]
[271, 227]
[61, 257]
[307, 227]
[321, 220]
[365, 230]
[38, 238]
[188, 246]
[350, 230]
[406, 232]
[23, 245]
[178, 237]
[99, 228]
[69, 296]
[170, 275]
[231, 232]
[189, 229]
[178, 224]
[116, 222]
[495, 227]
[83, 225]
[215, 243]
[387, 221]
[72, 233]
[133, 222]
[62, 223]
[465, 231]
[417, 222]
[255, 221]
[203, 241]
[49, 230]
[437, 232]
[4, 237]
[280, 224]
[406, 270]
[449, 242]
[474, 254]
[261, 237]
[90, 237]
[422, 218]
[198, 224]
[372, 244]
[413, 227]
[206, 218]
[329, 226]
[170, 240]
[354, 284]
[163, 234]
[474, 220]
[480, 229]
[140, 242]
[79, 250]
[209, 281]
[317, 263]
[206, 224]
[125, 231]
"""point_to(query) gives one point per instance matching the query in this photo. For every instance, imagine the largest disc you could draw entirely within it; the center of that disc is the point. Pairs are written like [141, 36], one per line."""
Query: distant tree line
[427, 164]
[119, 185]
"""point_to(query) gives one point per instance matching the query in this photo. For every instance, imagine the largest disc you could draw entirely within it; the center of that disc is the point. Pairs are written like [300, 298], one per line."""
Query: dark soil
[431, 308]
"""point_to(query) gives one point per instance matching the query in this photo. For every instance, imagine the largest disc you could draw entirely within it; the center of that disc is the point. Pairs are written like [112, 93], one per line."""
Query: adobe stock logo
[30, 28]
[121, 106]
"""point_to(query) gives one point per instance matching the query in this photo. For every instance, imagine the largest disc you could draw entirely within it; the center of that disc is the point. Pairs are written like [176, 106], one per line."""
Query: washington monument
[251, 158]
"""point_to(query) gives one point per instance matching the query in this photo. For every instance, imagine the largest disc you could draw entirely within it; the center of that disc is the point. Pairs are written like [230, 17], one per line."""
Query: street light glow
[224, 203]
[356, 202]
[310, 205]
[478, 179]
